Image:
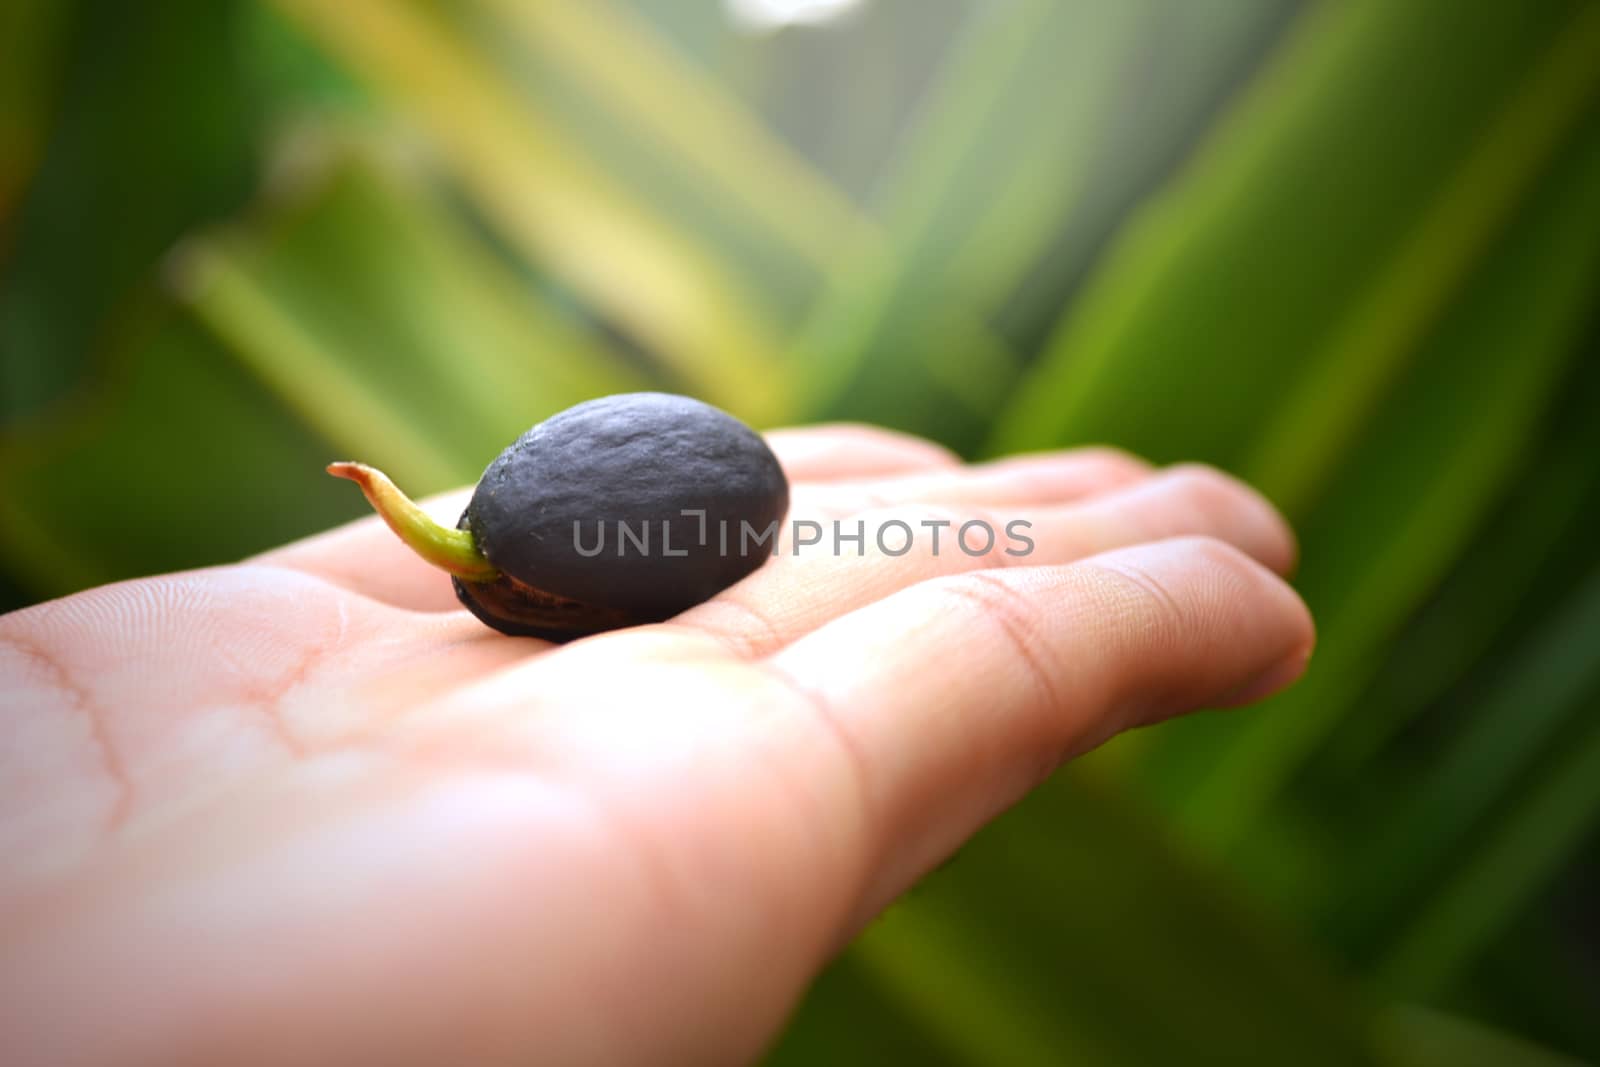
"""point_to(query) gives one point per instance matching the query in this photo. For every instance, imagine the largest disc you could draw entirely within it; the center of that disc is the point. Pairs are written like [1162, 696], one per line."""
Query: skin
[305, 809]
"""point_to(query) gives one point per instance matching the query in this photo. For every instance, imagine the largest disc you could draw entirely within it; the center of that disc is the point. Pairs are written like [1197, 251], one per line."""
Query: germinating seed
[602, 516]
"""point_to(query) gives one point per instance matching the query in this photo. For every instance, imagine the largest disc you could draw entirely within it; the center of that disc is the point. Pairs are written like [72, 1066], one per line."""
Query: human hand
[305, 809]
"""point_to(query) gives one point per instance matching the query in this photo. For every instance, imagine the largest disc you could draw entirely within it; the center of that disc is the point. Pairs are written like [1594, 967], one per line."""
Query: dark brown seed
[622, 510]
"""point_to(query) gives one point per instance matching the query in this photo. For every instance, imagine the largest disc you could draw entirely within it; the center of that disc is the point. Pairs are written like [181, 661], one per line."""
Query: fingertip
[1264, 533]
[1246, 631]
[1274, 679]
[1279, 611]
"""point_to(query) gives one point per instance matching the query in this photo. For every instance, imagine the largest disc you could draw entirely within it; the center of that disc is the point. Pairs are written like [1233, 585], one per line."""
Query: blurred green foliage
[1346, 248]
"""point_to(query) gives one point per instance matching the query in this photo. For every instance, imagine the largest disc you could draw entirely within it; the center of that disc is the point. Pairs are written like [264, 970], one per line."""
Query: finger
[795, 594]
[848, 450]
[365, 557]
[953, 698]
[1042, 478]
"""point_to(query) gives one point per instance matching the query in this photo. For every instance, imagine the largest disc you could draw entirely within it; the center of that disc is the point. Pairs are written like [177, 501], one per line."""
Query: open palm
[305, 809]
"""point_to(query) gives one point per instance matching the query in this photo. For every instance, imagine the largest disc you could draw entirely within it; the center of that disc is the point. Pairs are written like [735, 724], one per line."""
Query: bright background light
[766, 15]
